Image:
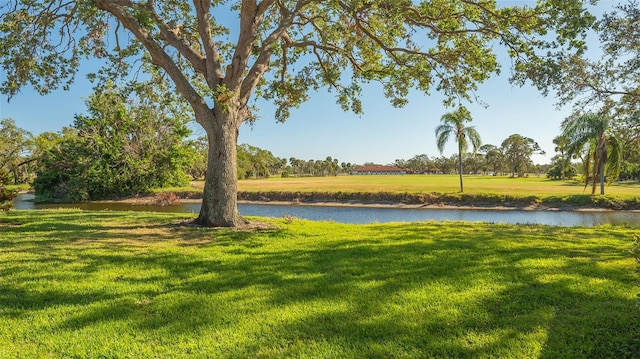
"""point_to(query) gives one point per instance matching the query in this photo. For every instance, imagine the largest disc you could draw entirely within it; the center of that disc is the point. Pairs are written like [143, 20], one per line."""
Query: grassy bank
[432, 189]
[500, 185]
[118, 285]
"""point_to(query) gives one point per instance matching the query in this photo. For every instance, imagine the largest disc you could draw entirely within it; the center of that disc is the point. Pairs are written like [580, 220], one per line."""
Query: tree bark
[460, 167]
[594, 176]
[563, 165]
[603, 160]
[220, 196]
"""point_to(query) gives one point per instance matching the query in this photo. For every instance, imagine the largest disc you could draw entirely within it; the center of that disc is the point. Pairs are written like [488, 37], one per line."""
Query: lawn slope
[123, 285]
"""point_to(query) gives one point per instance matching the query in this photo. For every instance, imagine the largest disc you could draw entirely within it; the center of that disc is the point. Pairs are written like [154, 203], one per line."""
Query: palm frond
[613, 165]
[443, 132]
[474, 137]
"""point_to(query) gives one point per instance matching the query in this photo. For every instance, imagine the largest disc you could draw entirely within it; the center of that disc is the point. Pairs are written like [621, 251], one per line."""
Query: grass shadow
[395, 290]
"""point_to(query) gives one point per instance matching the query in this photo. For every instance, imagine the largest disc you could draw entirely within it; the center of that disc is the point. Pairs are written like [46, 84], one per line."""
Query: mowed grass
[79, 284]
[533, 185]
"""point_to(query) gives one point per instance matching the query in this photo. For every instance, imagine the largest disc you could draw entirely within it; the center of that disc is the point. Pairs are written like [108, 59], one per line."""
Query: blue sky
[320, 128]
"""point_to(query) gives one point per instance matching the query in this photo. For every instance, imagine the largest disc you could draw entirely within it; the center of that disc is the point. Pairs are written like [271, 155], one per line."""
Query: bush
[555, 172]
[121, 148]
[6, 195]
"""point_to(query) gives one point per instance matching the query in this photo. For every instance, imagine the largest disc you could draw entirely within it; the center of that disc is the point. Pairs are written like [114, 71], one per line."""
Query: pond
[362, 215]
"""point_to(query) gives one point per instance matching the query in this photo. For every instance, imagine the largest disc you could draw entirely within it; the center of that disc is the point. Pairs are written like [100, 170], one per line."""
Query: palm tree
[453, 125]
[562, 142]
[592, 133]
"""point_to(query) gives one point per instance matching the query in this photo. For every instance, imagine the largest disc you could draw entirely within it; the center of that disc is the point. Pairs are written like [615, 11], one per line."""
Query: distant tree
[42, 144]
[309, 168]
[297, 166]
[630, 170]
[446, 165]
[330, 167]
[317, 167]
[518, 150]
[473, 163]
[57, 172]
[419, 163]
[557, 171]
[254, 162]
[541, 168]
[246, 168]
[591, 132]
[416, 164]
[197, 150]
[347, 167]
[493, 157]
[401, 163]
[627, 129]
[563, 161]
[453, 126]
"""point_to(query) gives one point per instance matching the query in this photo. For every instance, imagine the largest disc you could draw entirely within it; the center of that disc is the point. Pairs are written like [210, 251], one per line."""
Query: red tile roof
[378, 169]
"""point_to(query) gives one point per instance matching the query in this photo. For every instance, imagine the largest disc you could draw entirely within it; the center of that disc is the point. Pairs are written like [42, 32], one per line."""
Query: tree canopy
[220, 55]
[611, 81]
[517, 151]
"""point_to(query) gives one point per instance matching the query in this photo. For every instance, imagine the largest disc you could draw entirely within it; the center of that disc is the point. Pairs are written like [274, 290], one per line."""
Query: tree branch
[171, 34]
[158, 56]
[213, 72]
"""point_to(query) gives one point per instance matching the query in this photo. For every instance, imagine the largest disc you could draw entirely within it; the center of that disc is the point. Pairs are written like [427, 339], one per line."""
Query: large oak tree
[221, 55]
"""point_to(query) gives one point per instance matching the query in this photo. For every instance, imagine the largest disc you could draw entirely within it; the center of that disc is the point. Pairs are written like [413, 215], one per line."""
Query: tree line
[606, 143]
[135, 138]
[511, 158]
[127, 144]
[131, 139]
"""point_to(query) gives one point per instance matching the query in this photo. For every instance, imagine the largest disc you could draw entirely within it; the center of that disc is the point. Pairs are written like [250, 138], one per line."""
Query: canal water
[363, 215]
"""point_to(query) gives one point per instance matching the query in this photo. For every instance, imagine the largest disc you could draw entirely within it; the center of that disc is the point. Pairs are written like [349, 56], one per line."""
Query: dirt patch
[251, 225]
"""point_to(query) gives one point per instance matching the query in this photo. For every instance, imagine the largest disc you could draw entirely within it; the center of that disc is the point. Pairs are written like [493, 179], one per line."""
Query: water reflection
[362, 215]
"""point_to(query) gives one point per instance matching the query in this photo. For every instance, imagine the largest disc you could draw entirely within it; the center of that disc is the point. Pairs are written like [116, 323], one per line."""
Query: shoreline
[164, 199]
[151, 200]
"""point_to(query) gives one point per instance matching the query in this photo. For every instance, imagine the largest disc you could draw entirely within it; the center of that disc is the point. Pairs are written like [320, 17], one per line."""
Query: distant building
[379, 170]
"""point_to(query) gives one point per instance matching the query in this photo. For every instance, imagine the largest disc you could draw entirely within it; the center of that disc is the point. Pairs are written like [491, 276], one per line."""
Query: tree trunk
[603, 160]
[220, 197]
[563, 165]
[14, 170]
[460, 168]
[596, 166]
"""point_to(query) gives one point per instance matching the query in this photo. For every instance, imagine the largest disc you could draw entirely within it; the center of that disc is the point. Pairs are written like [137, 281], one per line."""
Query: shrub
[6, 195]
[166, 199]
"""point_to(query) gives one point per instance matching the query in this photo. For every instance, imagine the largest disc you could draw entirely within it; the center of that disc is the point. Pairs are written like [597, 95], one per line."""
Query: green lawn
[532, 185]
[131, 285]
[441, 189]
